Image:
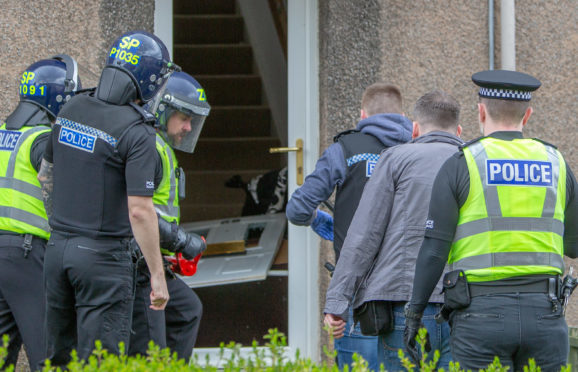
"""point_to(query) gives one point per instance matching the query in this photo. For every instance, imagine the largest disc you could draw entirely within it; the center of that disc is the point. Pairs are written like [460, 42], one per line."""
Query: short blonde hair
[382, 98]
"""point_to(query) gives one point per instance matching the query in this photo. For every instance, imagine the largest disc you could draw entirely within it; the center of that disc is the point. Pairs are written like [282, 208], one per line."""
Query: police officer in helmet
[100, 164]
[180, 110]
[503, 213]
[45, 86]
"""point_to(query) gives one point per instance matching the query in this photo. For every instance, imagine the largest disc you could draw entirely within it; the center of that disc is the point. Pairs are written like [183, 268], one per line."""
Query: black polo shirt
[101, 153]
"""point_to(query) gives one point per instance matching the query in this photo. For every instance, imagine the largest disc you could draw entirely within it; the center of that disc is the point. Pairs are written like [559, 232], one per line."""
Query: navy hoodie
[331, 168]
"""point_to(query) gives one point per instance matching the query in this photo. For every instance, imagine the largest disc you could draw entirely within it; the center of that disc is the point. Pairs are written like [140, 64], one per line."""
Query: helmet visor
[183, 135]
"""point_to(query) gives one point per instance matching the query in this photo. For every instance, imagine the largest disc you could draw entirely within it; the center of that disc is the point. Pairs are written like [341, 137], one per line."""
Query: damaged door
[238, 250]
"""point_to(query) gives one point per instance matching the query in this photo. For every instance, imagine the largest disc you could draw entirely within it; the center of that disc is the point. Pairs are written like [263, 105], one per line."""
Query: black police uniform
[348, 194]
[537, 320]
[22, 307]
[516, 318]
[101, 153]
[177, 326]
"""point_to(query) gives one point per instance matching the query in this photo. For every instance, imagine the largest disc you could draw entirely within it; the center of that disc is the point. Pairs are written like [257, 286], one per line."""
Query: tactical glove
[175, 239]
[189, 244]
[412, 325]
[323, 225]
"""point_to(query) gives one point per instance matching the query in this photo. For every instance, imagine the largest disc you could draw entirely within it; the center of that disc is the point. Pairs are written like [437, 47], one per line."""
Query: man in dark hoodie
[379, 253]
[347, 165]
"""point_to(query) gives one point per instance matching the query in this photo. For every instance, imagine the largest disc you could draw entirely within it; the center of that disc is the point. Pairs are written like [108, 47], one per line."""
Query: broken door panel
[261, 236]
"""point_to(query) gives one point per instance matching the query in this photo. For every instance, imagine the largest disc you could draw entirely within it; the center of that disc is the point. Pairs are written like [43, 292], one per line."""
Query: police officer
[181, 110]
[100, 161]
[345, 166]
[503, 213]
[44, 88]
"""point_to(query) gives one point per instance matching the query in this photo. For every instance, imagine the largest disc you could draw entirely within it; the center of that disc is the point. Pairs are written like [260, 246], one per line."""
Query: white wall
[164, 23]
[270, 60]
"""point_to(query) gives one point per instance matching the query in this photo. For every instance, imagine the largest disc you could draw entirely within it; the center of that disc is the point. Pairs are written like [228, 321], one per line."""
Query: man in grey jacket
[378, 256]
[345, 167]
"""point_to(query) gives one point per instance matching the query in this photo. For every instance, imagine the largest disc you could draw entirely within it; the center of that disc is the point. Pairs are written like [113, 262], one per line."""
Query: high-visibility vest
[166, 196]
[21, 204]
[512, 223]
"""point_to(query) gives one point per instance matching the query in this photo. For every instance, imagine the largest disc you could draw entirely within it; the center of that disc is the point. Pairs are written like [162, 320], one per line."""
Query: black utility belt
[458, 292]
[12, 235]
[541, 286]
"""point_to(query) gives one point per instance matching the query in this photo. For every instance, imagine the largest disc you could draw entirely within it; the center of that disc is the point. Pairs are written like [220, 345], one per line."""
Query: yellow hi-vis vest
[21, 205]
[512, 223]
[166, 196]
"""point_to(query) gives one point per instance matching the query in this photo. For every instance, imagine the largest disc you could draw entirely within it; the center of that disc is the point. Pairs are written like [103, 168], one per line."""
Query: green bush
[272, 358]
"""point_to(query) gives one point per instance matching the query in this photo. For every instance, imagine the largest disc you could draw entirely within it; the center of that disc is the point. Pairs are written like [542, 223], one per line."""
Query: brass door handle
[277, 150]
[298, 160]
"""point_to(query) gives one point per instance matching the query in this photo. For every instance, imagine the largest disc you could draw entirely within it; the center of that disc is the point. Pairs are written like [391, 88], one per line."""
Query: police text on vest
[370, 165]
[518, 172]
[76, 139]
[8, 140]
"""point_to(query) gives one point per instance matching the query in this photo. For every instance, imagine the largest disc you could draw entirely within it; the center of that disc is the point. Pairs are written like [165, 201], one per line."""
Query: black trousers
[22, 298]
[515, 327]
[176, 327]
[89, 295]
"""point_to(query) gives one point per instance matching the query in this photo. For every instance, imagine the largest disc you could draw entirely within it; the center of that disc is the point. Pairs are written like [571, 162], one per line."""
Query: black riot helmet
[182, 94]
[137, 67]
[45, 86]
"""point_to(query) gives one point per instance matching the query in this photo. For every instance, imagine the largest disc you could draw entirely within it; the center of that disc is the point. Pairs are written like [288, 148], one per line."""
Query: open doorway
[301, 307]
[212, 42]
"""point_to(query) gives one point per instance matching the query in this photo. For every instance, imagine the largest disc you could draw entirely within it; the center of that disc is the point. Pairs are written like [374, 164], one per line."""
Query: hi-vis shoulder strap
[168, 208]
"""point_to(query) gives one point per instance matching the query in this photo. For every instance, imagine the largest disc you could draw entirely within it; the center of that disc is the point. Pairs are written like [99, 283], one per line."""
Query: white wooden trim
[164, 23]
[303, 81]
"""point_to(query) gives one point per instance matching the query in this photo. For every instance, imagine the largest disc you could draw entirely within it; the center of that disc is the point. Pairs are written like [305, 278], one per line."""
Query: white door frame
[303, 81]
[303, 112]
[163, 23]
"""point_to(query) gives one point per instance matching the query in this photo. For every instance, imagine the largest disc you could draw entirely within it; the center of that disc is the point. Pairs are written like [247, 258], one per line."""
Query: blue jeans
[355, 342]
[439, 336]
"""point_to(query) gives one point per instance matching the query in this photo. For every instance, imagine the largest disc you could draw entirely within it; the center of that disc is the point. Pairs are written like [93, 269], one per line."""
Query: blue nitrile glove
[323, 225]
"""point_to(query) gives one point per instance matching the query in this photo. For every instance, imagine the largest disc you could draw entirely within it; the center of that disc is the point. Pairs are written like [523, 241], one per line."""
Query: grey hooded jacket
[378, 257]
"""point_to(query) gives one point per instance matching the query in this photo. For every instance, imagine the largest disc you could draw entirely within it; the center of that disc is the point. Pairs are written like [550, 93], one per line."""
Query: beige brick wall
[423, 45]
[83, 29]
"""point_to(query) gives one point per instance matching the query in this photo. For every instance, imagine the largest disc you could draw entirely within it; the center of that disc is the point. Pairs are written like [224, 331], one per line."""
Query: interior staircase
[210, 44]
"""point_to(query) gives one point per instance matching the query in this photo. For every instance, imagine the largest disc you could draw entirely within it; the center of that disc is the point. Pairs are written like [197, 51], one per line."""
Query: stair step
[204, 7]
[238, 121]
[206, 187]
[214, 58]
[233, 153]
[231, 90]
[208, 29]
[206, 212]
